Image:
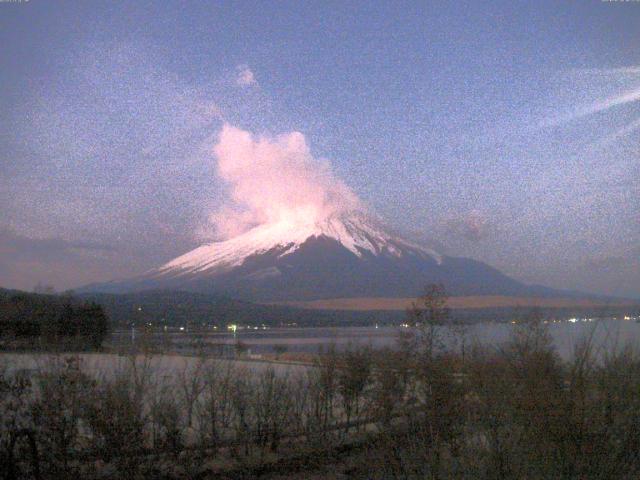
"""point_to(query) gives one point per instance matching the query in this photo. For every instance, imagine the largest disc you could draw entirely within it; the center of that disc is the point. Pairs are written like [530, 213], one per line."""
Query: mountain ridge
[357, 232]
[341, 256]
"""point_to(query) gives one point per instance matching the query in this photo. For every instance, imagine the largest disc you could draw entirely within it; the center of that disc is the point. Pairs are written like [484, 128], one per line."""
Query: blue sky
[490, 130]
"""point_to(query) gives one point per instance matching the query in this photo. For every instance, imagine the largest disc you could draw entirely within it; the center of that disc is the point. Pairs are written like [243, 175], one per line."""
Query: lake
[608, 334]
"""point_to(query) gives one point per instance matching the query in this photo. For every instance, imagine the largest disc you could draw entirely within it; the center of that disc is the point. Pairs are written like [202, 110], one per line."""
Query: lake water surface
[607, 334]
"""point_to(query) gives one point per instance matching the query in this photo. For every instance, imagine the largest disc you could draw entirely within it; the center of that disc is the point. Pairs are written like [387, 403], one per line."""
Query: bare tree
[62, 388]
[116, 416]
[241, 389]
[387, 395]
[17, 424]
[167, 419]
[353, 377]
[429, 313]
[191, 384]
[327, 385]
[270, 403]
[214, 408]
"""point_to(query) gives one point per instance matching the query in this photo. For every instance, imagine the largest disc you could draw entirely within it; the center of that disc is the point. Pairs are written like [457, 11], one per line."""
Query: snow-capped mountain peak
[338, 256]
[355, 232]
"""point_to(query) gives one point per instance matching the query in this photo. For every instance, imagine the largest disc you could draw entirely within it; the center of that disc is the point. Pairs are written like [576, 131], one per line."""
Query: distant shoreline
[467, 302]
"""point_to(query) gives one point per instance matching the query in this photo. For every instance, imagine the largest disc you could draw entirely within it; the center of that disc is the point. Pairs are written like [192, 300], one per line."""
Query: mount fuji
[344, 255]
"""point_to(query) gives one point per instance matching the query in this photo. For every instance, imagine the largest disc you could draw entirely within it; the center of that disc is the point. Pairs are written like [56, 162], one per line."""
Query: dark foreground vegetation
[36, 321]
[416, 411]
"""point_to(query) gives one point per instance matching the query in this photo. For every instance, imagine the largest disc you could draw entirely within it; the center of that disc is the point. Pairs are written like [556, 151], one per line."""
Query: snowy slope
[355, 232]
[342, 256]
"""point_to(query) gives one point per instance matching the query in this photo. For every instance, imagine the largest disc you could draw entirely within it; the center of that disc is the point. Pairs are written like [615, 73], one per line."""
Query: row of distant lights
[626, 317]
[571, 320]
[576, 320]
[232, 328]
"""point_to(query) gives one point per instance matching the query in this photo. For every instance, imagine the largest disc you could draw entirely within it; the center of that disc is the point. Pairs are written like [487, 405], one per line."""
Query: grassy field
[470, 302]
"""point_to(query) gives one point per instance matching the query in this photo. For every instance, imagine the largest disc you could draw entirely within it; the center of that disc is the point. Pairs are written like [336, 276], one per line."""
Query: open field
[470, 302]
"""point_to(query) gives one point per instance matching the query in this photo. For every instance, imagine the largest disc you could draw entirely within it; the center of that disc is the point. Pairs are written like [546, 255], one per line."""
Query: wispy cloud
[606, 104]
[629, 96]
[473, 226]
[607, 71]
[245, 76]
[622, 132]
[26, 261]
[18, 246]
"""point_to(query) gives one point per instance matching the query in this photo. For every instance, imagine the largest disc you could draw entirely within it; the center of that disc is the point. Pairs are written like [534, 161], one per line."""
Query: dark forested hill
[30, 319]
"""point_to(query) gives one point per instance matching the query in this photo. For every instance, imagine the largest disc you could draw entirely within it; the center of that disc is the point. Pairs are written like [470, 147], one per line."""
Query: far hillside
[180, 308]
[37, 315]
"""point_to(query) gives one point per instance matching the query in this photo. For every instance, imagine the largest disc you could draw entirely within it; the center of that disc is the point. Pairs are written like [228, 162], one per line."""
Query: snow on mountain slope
[355, 232]
[343, 256]
[294, 231]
